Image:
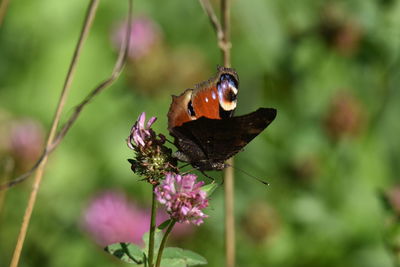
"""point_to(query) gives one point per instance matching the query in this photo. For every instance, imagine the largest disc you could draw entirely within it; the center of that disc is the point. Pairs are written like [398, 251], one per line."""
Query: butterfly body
[201, 121]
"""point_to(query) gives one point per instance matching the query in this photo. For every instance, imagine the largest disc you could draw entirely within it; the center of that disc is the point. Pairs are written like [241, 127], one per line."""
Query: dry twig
[118, 67]
[9, 166]
[223, 35]
[53, 140]
[222, 31]
[40, 169]
[3, 10]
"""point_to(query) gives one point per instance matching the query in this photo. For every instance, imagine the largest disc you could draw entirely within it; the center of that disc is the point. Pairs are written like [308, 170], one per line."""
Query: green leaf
[178, 256]
[173, 263]
[164, 224]
[126, 252]
[193, 258]
[209, 188]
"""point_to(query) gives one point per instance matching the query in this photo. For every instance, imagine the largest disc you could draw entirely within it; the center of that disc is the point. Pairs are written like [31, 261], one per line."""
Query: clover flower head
[153, 159]
[183, 198]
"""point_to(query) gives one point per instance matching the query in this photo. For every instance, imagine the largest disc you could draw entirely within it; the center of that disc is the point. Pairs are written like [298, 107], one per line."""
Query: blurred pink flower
[26, 140]
[393, 196]
[260, 221]
[345, 116]
[306, 168]
[144, 34]
[340, 29]
[111, 218]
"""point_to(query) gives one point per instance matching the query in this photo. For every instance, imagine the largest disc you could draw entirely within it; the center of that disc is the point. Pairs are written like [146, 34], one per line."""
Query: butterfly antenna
[248, 174]
[206, 175]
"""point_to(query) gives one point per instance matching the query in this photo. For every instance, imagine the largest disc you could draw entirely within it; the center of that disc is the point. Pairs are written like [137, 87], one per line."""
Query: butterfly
[201, 121]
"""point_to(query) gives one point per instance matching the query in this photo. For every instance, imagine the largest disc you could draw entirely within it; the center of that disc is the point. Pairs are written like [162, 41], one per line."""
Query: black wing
[220, 139]
[187, 144]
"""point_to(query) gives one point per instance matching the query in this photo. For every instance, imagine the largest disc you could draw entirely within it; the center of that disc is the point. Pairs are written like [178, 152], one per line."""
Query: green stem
[152, 227]
[163, 241]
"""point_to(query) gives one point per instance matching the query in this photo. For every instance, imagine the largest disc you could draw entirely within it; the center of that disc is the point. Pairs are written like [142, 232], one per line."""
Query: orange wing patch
[178, 111]
[205, 103]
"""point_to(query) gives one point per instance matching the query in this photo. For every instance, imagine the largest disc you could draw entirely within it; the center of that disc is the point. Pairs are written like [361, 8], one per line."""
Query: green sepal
[209, 188]
[164, 224]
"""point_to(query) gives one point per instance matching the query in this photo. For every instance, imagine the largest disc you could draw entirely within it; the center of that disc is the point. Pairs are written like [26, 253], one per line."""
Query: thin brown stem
[90, 14]
[118, 67]
[223, 43]
[222, 31]
[9, 165]
[226, 29]
[3, 10]
[228, 173]
[24, 176]
[208, 8]
[229, 215]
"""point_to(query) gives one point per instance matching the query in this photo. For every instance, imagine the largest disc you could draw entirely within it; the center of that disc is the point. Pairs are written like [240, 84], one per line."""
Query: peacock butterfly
[202, 123]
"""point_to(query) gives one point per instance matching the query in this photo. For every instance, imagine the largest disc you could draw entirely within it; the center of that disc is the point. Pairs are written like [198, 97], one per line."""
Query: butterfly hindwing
[187, 145]
[216, 140]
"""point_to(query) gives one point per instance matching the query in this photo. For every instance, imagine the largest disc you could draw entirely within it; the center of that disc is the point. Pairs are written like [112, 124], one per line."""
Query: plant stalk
[164, 241]
[152, 227]
[229, 216]
[118, 67]
[228, 173]
[222, 31]
[90, 15]
[3, 10]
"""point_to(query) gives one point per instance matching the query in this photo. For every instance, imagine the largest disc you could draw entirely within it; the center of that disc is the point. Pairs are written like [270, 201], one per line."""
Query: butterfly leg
[206, 175]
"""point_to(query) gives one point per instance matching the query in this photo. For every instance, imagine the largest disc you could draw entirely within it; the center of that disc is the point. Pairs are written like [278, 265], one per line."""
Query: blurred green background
[332, 156]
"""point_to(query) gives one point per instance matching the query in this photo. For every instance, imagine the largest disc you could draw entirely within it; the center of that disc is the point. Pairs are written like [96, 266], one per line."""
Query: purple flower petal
[183, 198]
[141, 119]
[141, 135]
[150, 122]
